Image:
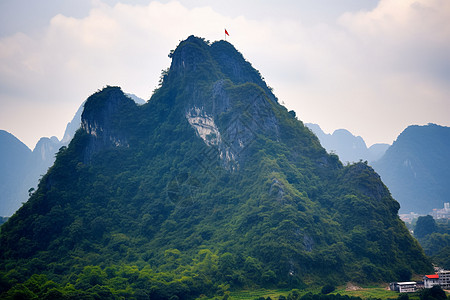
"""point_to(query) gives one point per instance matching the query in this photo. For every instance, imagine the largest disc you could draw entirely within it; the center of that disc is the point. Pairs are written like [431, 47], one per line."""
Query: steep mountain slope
[212, 184]
[21, 171]
[417, 168]
[348, 147]
[75, 123]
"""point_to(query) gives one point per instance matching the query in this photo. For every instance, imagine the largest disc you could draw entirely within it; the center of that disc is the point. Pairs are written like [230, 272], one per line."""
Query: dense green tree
[328, 288]
[435, 293]
[425, 225]
[442, 258]
[403, 296]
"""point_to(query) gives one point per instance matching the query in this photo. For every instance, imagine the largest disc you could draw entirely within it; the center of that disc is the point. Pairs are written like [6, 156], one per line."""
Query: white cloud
[360, 73]
[403, 57]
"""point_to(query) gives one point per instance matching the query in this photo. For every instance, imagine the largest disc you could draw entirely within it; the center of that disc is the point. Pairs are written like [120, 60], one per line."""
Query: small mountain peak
[235, 67]
[109, 98]
[223, 98]
[210, 170]
[195, 59]
[192, 56]
[97, 120]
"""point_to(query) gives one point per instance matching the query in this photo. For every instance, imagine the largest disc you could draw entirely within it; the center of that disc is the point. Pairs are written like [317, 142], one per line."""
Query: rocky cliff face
[229, 130]
[230, 113]
[100, 120]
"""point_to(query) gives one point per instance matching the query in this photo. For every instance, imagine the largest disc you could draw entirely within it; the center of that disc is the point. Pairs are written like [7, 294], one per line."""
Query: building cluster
[443, 213]
[441, 278]
[409, 218]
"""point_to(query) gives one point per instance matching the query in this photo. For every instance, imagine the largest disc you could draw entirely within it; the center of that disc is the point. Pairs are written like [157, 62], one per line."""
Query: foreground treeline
[435, 293]
[110, 283]
[296, 295]
[128, 282]
[434, 237]
[210, 274]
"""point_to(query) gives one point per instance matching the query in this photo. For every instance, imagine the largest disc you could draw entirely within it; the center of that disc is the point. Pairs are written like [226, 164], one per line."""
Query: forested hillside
[212, 185]
[434, 237]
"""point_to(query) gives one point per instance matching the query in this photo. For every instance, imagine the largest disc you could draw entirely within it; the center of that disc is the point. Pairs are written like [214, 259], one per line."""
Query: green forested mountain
[211, 185]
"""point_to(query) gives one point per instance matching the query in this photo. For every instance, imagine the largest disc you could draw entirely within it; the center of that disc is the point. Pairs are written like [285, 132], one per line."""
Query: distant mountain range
[416, 168]
[415, 172]
[348, 147]
[21, 168]
[15, 158]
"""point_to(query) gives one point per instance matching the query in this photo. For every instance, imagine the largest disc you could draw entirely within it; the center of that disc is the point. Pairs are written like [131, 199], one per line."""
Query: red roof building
[430, 280]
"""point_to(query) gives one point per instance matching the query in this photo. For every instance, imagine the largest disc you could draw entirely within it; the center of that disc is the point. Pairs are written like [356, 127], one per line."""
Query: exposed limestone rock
[204, 126]
[98, 118]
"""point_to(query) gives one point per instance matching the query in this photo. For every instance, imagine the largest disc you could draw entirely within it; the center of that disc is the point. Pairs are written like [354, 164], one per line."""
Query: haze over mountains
[21, 168]
[414, 171]
[210, 185]
[348, 147]
[416, 168]
[14, 165]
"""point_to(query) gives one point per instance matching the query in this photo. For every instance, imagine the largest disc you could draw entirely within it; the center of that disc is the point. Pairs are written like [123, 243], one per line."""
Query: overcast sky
[372, 67]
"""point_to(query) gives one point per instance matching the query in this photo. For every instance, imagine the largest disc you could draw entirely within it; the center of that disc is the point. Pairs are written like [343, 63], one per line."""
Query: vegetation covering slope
[209, 186]
[434, 237]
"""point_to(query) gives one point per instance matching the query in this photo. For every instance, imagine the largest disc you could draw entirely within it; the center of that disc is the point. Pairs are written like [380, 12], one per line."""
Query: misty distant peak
[348, 147]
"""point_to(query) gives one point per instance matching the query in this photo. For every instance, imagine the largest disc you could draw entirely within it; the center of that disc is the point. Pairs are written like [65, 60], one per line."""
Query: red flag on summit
[226, 32]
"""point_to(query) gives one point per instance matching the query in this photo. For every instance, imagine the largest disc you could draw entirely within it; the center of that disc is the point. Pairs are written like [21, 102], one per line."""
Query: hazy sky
[372, 67]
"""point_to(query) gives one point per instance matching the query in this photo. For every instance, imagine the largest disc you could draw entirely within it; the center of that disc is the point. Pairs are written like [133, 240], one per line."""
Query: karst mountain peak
[209, 186]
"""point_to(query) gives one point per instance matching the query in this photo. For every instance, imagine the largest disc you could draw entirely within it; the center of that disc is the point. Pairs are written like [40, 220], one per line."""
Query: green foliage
[435, 293]
[425, 226]
[309, 296]
[404, 274]
[144, 208]
[326, 289]
[442, 258]
[435, 240]
[3, 220]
